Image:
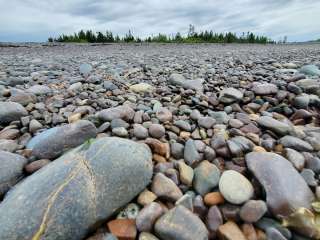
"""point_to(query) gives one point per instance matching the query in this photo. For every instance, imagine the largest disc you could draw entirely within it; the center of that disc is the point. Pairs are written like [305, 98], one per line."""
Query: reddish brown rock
[36, 165]
[123, 229]
[213, 198]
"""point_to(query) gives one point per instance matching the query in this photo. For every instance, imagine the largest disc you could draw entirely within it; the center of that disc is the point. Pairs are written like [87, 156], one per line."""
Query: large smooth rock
[75, 192]
[53, 142]
[274, 125]
[123, 112]
[285, 188]
[11, 170]
[180, 224]
[11, 111]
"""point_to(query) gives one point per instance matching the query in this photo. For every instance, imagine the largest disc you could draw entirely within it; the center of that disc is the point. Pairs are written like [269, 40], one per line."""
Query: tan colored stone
[213, 198]
[249, 231]
[186, 173]
[158, 158]
[231, 231]
[146, 197]
[156, 146]
[74, 117]
[258, 149]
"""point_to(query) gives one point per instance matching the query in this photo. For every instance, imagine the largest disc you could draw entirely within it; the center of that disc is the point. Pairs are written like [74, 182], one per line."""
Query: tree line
[206, 36]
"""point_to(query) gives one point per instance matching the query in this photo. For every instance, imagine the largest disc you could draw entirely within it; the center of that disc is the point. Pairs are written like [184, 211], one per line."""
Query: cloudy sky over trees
[35, 20]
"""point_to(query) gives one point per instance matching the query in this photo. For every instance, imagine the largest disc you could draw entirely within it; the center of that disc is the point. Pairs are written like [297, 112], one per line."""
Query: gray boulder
[285, 188]
[53, 142]
[70, 196]
[11, 170]
[11, 111]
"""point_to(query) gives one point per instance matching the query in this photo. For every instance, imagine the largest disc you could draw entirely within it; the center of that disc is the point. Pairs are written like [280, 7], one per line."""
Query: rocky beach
[155, 141]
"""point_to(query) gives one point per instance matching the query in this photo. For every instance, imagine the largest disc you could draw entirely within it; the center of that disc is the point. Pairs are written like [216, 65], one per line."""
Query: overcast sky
[36, 20]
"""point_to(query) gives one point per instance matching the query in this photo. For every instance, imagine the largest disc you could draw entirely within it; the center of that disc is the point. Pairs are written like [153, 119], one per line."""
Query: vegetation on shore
[206, 36]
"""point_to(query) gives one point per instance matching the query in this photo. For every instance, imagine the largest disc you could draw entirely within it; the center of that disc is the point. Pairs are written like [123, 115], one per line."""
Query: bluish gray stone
[312, 70]
[54, 141]
[206, 177]
[68, 197]
[191, 154]
[85, 69]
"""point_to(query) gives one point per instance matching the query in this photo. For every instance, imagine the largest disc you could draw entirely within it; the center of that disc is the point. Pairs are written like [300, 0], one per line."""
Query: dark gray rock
[53, 142]
[11, 170]
[180, 223]
[267, 223]
[75, 192]
[286, 190]
[274, 234]
[11, 111]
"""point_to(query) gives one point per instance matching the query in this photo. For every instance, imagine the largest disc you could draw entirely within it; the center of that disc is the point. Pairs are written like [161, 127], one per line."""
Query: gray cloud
[34, 20]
